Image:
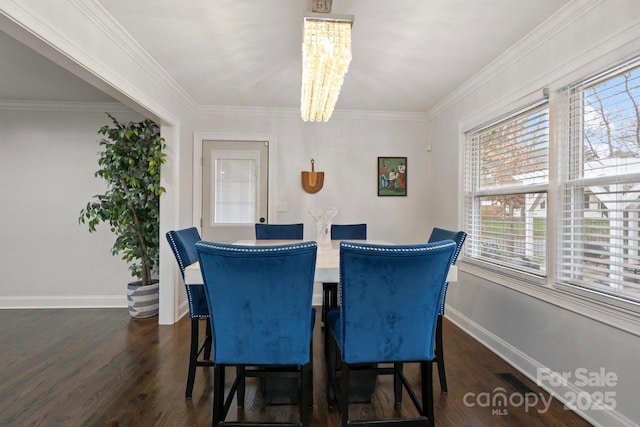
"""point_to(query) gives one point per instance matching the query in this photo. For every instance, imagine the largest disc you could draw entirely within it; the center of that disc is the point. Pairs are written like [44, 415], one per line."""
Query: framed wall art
[392, 176]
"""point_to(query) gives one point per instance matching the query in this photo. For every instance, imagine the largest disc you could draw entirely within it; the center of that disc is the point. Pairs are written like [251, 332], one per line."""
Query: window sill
[623, 316]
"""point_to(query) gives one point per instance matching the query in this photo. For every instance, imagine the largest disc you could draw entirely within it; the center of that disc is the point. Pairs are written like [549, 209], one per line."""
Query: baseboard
[529, 367]
[42, 302]
[183, 310]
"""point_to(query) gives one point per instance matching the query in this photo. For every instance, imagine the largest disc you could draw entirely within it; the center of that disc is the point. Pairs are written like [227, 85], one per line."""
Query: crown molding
[571, 12]
[620, 46]
[295, 113]
[379, 115]
[66, 106]
[41, 29]
[95, 12]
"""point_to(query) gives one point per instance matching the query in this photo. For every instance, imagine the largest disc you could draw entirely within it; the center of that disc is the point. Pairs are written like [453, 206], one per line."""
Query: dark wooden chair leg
[330, 363]
[334, 295]
[207, 343]
[344, 394]
[426, 369]
[305, 388]
[193, 358]
[218, 395]
[241, 385]
[329, 299]
[440, 356]
[310, 376]
[397, 383]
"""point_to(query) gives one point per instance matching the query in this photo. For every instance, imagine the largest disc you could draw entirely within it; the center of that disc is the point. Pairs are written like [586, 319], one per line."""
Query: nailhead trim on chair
[177, 253]
[392, 248]
[252, 249]
[182, 267]
[446, 285]
[459, 248]
[191, 309]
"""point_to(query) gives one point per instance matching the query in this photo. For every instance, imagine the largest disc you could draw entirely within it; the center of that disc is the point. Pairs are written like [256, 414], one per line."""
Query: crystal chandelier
[326, 54]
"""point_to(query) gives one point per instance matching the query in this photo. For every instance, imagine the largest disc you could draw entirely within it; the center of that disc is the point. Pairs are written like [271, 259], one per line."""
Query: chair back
[438, 234]
[390, 296]
[183, 245]
[260, 300]
[279, 231]
[349, 231]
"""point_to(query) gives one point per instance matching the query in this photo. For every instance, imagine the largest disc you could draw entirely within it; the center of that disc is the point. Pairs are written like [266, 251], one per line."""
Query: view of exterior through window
[506, 206]
[599, 246]
[596, 210]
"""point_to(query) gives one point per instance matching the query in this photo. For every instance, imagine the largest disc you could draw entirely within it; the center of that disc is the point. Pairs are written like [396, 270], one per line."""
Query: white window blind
[235, 200]
[506, 180]
[598, 241]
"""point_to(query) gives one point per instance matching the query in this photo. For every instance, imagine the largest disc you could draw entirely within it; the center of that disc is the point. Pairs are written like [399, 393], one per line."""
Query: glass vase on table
[323, 218]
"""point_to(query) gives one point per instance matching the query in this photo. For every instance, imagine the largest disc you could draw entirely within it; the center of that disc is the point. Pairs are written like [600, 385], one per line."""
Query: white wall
[47, 162]
[346, 149]
[528, 331]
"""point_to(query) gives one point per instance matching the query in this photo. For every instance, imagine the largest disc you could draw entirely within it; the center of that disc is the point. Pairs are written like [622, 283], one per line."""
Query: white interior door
[235, 188]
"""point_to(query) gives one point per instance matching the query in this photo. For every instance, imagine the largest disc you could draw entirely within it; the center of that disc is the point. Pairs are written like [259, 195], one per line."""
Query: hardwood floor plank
[98, 367]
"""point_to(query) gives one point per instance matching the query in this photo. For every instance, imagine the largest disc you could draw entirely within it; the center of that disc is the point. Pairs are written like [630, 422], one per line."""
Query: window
[590, 188]
[507, 175]
[235, 197]
[599, 245]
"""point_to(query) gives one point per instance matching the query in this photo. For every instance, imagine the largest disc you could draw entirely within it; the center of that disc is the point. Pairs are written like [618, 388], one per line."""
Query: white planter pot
[143, 300]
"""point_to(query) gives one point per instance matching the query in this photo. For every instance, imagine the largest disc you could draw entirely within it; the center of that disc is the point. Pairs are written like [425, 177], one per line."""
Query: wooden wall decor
[312, 181]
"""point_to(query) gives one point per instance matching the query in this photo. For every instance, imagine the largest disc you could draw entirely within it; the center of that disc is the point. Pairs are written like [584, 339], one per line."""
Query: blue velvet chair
[390, 297]
[261, 315]
[458, 237]
[183, 244]
[279, 231]
[348, 231]
[340, 232]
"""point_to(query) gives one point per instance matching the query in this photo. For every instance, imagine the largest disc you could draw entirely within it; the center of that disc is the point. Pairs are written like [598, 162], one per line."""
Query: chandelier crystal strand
[326, 55]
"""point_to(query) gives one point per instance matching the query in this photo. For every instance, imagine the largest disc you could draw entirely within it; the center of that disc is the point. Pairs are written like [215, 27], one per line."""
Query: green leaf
[128, 162]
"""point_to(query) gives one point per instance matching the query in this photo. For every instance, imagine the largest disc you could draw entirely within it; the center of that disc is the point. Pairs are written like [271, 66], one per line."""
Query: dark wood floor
[97, 367]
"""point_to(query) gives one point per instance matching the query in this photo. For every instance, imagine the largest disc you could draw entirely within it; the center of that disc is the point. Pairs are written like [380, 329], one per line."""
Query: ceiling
[407, 55]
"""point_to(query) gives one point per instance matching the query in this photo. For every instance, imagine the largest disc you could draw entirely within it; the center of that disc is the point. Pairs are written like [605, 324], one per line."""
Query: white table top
[327, 262]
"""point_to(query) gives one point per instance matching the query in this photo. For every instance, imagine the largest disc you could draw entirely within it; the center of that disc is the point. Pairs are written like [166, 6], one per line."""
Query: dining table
[327, 262]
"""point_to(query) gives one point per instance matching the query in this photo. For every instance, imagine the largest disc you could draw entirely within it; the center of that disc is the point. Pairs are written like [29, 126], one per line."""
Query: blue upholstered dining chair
[279, 231]
[183, 244]
[259, 298]
[438, 234]
[340, 232]
[390, 298]
[348, 231]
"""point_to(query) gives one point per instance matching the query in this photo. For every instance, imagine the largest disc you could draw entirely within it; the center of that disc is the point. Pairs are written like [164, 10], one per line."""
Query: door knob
[262, 220]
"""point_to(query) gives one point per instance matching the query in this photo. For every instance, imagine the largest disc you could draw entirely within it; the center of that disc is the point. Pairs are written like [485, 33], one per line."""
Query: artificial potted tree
[130, 163]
